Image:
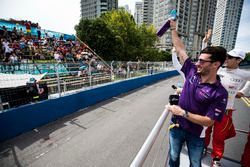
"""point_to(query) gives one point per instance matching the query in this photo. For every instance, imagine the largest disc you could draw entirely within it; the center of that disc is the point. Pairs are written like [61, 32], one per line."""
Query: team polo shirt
[200, 98]
[233, 80]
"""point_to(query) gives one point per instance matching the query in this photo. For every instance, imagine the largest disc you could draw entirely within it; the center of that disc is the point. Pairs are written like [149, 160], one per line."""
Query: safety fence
[67, 77]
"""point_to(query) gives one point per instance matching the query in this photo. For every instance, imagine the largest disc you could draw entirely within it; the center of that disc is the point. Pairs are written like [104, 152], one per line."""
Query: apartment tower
[195, 17]
[227, 19]
[91, 9]
[148, 11]
[138, 13]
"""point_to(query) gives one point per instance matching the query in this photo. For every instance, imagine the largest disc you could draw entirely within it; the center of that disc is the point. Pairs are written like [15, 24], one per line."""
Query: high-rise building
[91, 9]
[148, 11]
[200, 18]
[138, 13]
[194, 19]
[227, 19]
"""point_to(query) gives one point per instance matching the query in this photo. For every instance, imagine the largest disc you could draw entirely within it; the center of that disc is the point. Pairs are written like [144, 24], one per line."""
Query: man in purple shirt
[202, 101]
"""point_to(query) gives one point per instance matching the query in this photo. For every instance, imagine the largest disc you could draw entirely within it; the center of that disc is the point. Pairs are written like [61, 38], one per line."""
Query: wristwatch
[185, 115]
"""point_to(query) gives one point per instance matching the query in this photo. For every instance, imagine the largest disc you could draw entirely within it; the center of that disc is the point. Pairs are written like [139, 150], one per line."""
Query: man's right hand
[173, 25]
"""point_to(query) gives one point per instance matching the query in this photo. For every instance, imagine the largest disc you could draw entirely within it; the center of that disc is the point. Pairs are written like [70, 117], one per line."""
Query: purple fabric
[200, 98]
[164, 28]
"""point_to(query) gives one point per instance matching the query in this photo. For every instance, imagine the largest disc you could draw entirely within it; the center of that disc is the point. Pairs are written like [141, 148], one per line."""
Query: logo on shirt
[236, 80]
[204, 93]
[217, 110]
[191, 80]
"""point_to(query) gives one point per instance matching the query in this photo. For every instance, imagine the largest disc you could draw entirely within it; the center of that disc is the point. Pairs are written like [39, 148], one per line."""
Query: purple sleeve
[188, 68]
[218, 107]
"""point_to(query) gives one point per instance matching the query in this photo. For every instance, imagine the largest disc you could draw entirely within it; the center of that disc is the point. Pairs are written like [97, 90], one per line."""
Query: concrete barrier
[25, 118]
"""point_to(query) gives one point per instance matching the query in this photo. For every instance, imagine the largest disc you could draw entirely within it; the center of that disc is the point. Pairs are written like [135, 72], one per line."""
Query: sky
[63, 15]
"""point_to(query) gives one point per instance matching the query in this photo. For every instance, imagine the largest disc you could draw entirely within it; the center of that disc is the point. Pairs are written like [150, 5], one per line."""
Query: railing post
[112, 69]
[128, 69]
[58, 80]
[1, 105]
[138, 68]
[90, 76]
[64, 86]
[147, 67]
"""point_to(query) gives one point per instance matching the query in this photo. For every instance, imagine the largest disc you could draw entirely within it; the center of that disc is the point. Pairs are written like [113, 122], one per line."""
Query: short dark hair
[218, 53]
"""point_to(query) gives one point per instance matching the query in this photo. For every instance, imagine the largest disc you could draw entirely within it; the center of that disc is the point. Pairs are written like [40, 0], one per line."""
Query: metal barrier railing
[146, 147]
[64, 77]
[142, 154]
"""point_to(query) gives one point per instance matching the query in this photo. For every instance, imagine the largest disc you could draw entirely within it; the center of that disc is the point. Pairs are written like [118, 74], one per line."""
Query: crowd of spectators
[17, 46]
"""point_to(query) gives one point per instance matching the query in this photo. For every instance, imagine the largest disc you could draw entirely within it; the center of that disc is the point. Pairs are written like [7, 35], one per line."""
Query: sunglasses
[202, 61]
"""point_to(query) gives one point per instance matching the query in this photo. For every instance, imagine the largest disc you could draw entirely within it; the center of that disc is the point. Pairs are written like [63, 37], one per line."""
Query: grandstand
[48, 56]
[60, 61]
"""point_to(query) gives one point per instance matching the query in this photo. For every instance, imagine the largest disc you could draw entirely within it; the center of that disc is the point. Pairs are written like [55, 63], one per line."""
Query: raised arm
[178, 44]
[206, 38]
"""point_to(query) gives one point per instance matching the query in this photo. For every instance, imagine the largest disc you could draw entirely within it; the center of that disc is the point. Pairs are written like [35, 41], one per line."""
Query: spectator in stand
[69, 56]
[28, 28]
[86, 55]
[15, 45]
[14, 34]
[38, 32]
[19, 54]
[93, 64]
[5, 63]
[8, 50]
[53, 38]
[61, 37]
[1, 49]
[44, 41]
[22, 43]
[58, 56]
[5, 44]
[46, 36]
[20, 33]
[13, 61]
[32, 48]
[83, 69]
[78, 56]
[5, 33]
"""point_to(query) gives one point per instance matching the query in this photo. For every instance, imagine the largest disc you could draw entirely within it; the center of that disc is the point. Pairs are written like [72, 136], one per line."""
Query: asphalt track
[108, 134]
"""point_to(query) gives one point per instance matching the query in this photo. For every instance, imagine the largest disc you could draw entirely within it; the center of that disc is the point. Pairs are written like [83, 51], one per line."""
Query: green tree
[124, 27]
[248, 56]
[98, 36]
[115, 36]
